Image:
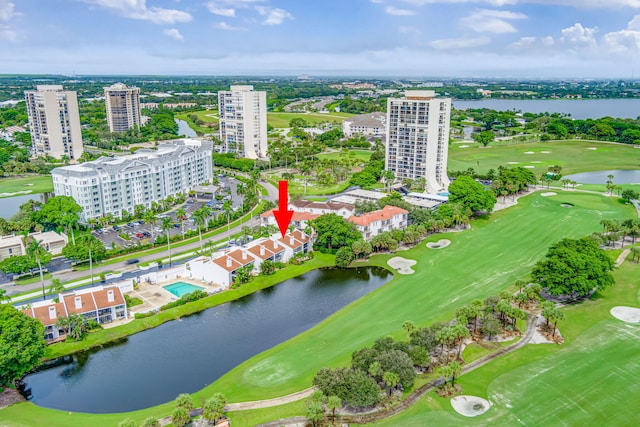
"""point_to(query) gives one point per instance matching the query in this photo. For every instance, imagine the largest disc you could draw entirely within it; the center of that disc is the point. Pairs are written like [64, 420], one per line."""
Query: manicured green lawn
[573, 156]
[362, 155]
[29, 184]
[480, 262]
[592, 379]
[281, 120]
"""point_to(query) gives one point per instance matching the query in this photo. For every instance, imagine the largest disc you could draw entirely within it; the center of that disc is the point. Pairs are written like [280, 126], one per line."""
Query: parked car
[139, 235]
[141, 222]
[146, 234]
[116, 228]
[132, 261]
[176, 225]
[132, 224]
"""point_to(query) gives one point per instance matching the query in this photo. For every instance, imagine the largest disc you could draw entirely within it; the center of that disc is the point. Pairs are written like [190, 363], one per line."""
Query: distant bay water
[578, 108]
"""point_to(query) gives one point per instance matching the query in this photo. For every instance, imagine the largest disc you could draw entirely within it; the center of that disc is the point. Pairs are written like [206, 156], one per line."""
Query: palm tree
[181, 214]
[37, 253]
[56, 286]
[167, 224]
[227, 208]
[391, 379]
[409, 326]
[151, 218]
[70, 221]
[200, 218]
[214, 407]
[333, 403]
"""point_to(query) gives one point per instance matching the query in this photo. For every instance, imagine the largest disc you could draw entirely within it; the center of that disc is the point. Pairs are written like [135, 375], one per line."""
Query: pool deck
[154, 296]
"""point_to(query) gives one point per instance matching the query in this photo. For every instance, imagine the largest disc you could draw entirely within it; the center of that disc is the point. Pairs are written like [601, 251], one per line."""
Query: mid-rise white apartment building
[243, 121]
[123, 107]
[365, 124]
[54, 122]
[418, 138]
[110, 185]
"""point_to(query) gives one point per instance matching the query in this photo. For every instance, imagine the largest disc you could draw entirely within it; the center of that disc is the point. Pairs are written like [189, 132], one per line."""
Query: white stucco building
[110, 185]
[54, 122]
[387, 219]
[418, 138]
[243, 121]
[372, 124]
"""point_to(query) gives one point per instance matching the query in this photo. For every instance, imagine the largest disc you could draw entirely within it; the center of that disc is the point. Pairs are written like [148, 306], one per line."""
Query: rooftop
[383, 214]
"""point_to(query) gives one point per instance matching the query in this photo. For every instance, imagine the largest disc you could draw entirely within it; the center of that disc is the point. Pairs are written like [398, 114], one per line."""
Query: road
[70, 276]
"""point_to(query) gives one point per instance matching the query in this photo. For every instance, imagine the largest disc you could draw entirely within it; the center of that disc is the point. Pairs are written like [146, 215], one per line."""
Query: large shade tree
[334, 232]
[471, 194]
[21, 343]
[574, 267]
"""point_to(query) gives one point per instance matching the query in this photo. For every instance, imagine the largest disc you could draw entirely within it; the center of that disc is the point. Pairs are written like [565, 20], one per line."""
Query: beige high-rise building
[54, 122]
[418, 138]
[243, 121]
[123, 107]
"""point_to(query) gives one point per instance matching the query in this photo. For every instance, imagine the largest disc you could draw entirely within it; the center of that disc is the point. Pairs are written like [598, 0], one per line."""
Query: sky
[367, 38]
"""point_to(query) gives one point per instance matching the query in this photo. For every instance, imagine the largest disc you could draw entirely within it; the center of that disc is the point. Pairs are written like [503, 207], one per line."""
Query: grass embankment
[592, 379]
[31, 184]
[106, 335]
[478, 263]
[362, 155]
[574, 156]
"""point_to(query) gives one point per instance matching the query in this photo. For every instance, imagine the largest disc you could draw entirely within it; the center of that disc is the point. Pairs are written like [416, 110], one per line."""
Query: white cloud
[399, 12]
[582, 4]
[6, 10]
[216, 9]
[579, 35]
[174, 33]
[138, 9]
[491, 21]
[7, 33]
[274, 16]
[460, 43]
[226, 27]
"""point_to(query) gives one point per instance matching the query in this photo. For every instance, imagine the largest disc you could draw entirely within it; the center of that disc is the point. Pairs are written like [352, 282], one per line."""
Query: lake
[9, 206]
[600, 177]
[579, 109]
[184, 129]
[185, 355]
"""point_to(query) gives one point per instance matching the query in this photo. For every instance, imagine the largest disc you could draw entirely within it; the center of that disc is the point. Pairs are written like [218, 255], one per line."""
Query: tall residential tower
[54, 122]
[123, 107]
[418, 138]
[243, 121]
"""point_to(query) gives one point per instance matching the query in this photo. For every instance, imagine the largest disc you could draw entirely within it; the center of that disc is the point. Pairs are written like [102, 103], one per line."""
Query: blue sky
[421, 38]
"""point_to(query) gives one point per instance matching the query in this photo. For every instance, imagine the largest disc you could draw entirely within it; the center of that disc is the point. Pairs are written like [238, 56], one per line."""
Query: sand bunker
[546, 152]
[402, 265]
[591, 148]
[513, 163]
[626, 314]
[529, 152]
[470, 406]
[442, 243]
[536, 161]
[547, 194]
[529, 167]
[464, 146]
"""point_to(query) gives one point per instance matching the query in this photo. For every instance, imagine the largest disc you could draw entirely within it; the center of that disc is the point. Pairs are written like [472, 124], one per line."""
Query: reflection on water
[184, 356]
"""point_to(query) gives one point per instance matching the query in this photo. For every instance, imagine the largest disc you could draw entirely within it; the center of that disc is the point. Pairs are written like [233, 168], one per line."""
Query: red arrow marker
[283, 214]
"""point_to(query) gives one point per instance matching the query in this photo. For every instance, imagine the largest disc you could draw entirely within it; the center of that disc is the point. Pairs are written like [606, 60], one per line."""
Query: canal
[183, 356]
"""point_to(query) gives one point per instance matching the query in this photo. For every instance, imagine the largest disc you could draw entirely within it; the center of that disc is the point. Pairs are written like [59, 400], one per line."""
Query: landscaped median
[107, 335]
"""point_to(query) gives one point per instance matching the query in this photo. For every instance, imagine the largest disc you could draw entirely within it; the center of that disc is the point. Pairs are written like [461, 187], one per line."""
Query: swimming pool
[181, 289]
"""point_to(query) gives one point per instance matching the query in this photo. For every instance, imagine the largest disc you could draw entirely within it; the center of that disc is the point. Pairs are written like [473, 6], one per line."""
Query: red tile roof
[101, 297]
[236, 258]
[384, 214]
[298, 239]
[88, 303]
[42, 313]
[297, 216]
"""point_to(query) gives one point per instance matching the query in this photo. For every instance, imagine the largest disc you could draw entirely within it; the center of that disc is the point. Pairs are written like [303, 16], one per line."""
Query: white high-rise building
[418, 138]
[54, 122]
[111, 185]
[123, 107]
[243, 121]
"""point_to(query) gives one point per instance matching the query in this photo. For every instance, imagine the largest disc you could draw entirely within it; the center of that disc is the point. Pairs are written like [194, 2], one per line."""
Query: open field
[362, 155]
[510, 242]
[573, 156]
[590, 380]
[281, 120]
[33, 184]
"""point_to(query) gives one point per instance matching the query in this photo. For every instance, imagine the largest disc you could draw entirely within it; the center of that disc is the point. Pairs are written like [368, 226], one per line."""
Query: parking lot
[140, 232]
